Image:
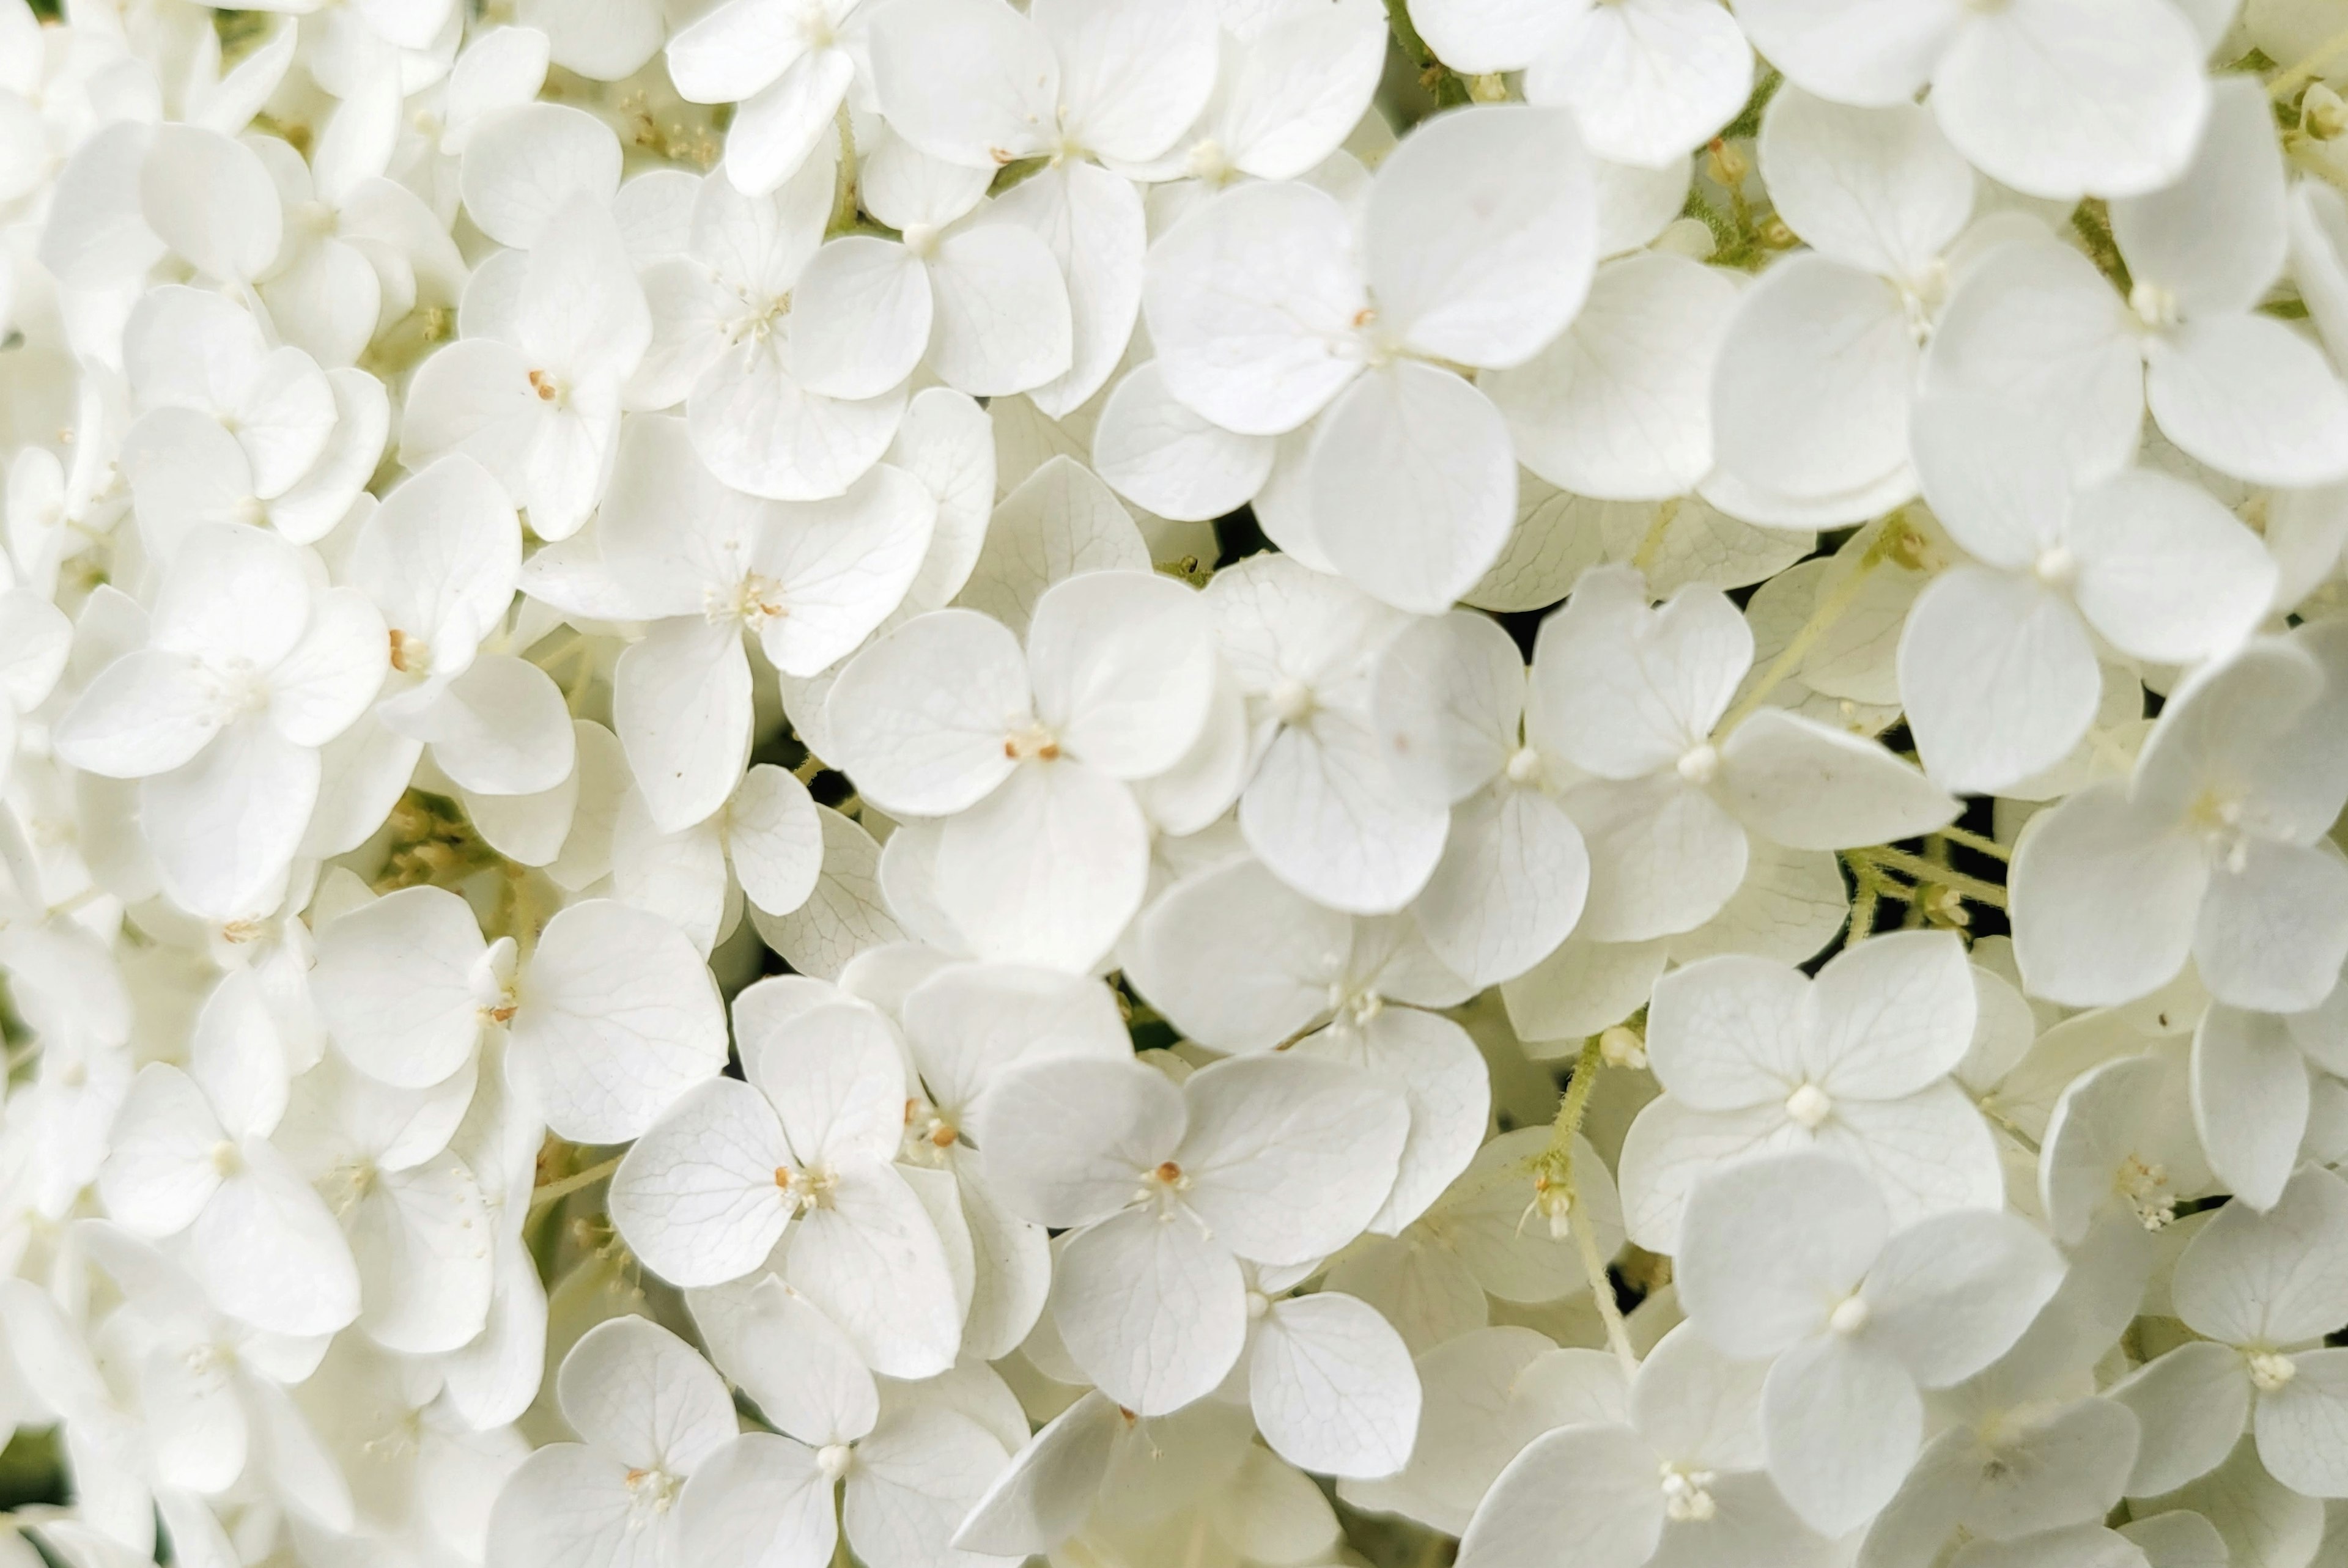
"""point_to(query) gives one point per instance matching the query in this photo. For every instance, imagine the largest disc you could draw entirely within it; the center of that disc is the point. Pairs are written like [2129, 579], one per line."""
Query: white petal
[1165, 458]
[423, 1243]
[1620, 407]
[1581, 1497]
[211, 199]
[761, 1501]
[681, 705]
[1250, 301]
[1876, 188]
[523, 164]
[1332, 1386]
[1123, 665]
[2215, 238]
[1324, 814]
[1481, 234]
[774, 839]
[1767, 1250]
[2301, 1425]
[1848, 50]
[1998, 678]
[1647, 82]
[1809, 787]
[1510, 886]
[1952, 1293]
[1844, 1423]
[842, 566]
[1236, 960]
[2191, 1405]
[2272, 1278]
[641, 1394]
[1281, 1153]
[2113, 91]
[1413, 470]
[969, 84]
[2249, 397]
[1003, 322]
[861, 317]
[845, 914]
[2104, 901]
[1048, 868]
[1091, 221]
[1151, 1308]
[915, 1479]
[1664, 856]
[788, 125]
[565, 1503]
[2035, 324]
[1065, 1140]
[267, 1252]
[1891, 1017]
[871, 1261]
[1811, 395]
[920, 718]
[760, 431]
[1059, 521]
[1135, 72]
[697, 1198]
[618, 1018]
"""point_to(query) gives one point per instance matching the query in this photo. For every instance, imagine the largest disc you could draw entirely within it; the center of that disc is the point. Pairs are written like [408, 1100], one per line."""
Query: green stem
[1975, 842]
[1822, 618]
[1924, 870]
[554, 1192]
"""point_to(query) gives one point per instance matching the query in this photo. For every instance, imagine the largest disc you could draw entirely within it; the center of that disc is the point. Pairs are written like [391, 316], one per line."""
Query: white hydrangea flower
[1277, 1160]
[1797, 1261]
[192, 1153]
[536, 399]
[1634, 697]
[2237, 390]
[1045, 853]
[652, 1413]
[249, 666]
[2206, 850]
[1092, 89]
[2054, 97]
[1756, 1058]
[2261, 1289]
[808, 1146]
[1679, 1477]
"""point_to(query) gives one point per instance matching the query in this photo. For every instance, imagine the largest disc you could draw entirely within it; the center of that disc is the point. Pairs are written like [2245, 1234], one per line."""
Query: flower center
[1293, 702]
[2056, 568]
[1207, 161]
[1810, 1106]
[810, 1188]
[833, 1460]
[1034, 744]
[650, 1491]
[411, 655]
[2145, 1187]
[759, 319]
[753, 598]
[2269, 1370]
[1524, 766]
[2155, 308]
[1849, 1315]
[548, 390]
[1687, 1497]
[227, 1159]
[1700, 765]
[239, 691]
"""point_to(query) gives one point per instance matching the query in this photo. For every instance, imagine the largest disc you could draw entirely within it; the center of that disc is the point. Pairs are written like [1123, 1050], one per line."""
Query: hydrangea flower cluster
[1174, 783]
